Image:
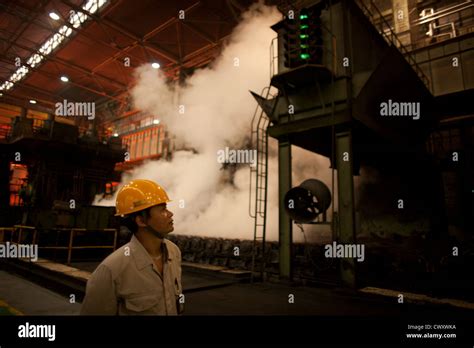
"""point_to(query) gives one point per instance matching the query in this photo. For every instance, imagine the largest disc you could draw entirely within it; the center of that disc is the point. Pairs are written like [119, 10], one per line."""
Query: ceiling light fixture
[75, 21]
[155, 65]
[32, 101]
[64, 78]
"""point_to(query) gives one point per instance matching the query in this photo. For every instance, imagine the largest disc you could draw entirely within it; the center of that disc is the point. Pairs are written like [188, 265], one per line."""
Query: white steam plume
[218, 109]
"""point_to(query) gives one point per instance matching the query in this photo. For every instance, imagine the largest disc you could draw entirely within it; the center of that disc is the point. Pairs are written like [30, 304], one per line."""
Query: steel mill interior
[317, 155]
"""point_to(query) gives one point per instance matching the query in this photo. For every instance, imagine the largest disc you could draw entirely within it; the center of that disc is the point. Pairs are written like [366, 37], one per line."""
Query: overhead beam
[22, 83]
[201, 33]
[72, 66]
[26, 26]
[146, 37]
[53, 97]
[153, 47]
[24, 102]
[179, 39]
[49, 75]
[76, 30]
[169, 22]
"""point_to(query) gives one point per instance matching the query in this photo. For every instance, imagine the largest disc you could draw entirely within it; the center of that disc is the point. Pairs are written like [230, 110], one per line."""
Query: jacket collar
[141, 256]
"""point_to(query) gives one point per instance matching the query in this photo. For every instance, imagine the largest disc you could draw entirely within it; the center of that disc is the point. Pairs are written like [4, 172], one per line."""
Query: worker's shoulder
[118, 260]
[172, 248]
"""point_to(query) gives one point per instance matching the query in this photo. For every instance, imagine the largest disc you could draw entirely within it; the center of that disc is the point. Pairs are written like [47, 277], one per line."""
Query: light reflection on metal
[429, 16]
[426, 18]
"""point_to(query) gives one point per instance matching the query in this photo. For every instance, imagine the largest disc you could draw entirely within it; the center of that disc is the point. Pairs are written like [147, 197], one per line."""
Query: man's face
[160, 219]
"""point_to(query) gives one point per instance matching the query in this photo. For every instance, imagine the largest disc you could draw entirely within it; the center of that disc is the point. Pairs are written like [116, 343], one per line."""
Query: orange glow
[18, 180]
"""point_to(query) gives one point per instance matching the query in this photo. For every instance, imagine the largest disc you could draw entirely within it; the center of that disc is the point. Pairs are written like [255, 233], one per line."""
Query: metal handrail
[69, 248]
[393, 39]
[259, 136]
[2, 232]
[254, 133]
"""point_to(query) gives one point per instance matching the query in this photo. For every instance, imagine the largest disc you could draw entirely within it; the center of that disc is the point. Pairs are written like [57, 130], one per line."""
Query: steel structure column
[346, 213]
[284, 221]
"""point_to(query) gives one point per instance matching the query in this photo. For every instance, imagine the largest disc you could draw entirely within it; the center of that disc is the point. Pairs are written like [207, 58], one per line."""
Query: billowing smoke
[212, 111]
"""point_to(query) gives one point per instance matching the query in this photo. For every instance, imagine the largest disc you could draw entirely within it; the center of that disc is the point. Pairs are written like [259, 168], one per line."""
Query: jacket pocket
[142, 304]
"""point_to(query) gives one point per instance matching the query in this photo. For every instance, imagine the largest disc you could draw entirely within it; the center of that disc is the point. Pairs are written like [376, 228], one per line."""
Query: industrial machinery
[331, 99]
[308, 201]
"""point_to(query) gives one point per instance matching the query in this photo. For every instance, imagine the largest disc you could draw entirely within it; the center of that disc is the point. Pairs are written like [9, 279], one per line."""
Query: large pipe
[440, 13]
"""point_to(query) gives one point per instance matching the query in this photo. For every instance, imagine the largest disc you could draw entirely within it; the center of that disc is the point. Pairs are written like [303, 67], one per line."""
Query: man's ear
[140, 221]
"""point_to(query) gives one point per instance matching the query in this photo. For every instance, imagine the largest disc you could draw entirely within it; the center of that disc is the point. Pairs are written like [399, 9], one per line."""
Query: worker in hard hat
[143, 277]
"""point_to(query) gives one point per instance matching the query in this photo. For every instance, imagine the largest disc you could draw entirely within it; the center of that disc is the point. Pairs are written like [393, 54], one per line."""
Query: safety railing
[259, 178]
[4, 231]
[385, 29]
[18, 231]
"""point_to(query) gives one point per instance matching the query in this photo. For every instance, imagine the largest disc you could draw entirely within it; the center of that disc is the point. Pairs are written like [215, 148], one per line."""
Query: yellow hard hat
[138, 195]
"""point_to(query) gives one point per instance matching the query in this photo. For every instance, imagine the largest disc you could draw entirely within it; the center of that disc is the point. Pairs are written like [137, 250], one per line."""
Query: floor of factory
[208, 294]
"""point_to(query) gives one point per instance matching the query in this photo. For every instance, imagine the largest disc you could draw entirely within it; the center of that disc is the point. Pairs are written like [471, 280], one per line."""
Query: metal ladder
[383, 27]
[258, 183]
